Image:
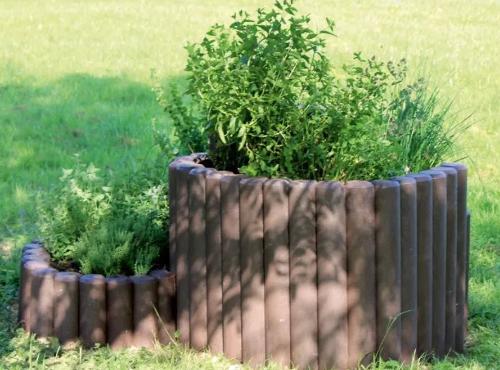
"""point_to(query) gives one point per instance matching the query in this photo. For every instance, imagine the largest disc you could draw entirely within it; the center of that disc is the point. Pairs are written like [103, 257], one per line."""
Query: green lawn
[75, 78]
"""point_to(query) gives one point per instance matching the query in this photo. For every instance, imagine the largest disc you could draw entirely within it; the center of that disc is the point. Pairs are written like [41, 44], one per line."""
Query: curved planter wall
[121, 311]
[319, 274]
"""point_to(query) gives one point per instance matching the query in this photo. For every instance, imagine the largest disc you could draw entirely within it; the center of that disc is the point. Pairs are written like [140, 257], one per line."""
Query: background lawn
[75, 78]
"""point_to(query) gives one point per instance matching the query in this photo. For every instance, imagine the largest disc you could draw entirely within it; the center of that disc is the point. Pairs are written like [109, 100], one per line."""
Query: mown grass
[75, 79]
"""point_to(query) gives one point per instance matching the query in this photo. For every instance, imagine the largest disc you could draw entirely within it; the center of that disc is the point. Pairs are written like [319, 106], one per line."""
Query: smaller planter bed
[121, 311]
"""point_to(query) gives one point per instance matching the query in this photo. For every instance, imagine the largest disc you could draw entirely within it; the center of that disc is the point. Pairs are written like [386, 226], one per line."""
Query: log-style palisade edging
[314, 274]
[319, 274]
[120, 311]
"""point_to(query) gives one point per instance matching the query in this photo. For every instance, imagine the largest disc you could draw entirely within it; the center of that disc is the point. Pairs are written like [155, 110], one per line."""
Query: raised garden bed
[120, 311]
[319, 274]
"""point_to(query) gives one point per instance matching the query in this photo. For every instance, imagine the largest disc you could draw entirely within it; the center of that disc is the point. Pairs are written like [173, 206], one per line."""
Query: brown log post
[172, 199]
[252, 271]
[409, 266]
[181, 179]
[277, 267]
[388, 267]
[231, 284]
[28, 265]
[360, 220]
[92, 326]
[451, 255]
[467, 261]
[181, 162]
[424, 269]
[332, 276]
[66, 293]
[197, 258]
[145, 310]
[214, 262]
[166, 305]
[42, 302]
[439, 218]
[120, 320]
[303, 274]
[461, 253]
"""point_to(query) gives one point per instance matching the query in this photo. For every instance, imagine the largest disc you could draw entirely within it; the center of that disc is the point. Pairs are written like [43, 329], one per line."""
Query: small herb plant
[96, 225]
[263, 99]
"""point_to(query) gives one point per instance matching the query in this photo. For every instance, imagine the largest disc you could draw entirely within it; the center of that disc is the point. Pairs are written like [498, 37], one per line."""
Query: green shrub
[102, 225]
[187, 133]
[263, 99]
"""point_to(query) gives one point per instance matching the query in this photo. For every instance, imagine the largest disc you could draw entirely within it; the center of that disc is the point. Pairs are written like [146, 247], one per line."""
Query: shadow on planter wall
[318, 274]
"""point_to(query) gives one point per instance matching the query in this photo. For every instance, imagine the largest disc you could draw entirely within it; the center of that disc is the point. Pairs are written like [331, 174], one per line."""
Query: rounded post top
[92, 279]
[404, 180]
[117, 280]
[435, 174]
[358, 184]
[44, 271]
[142, 279]
[385, 184]
[457, 166]
[420, 177]
[445, 169]
[67, 276]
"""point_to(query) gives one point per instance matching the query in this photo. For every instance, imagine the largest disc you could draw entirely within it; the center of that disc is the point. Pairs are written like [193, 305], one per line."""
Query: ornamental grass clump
[263, 99]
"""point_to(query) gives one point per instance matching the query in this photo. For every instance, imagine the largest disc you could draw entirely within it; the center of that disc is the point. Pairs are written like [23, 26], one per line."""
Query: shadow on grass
[105, 120]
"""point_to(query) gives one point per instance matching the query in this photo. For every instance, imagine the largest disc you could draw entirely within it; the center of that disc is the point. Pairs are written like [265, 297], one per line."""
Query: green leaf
[222, 137]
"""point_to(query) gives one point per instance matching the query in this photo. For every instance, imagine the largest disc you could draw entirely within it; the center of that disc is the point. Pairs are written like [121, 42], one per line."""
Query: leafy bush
[263, 99]
[99, 225]
[187, 134]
